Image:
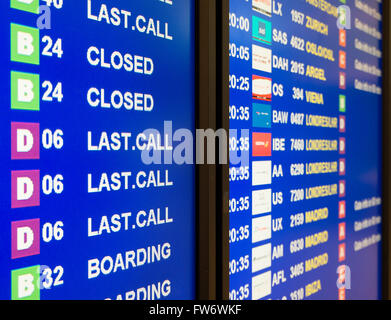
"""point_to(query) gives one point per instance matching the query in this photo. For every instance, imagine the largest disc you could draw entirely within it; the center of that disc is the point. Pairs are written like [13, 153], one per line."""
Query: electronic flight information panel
[89, 192]
[305, 190]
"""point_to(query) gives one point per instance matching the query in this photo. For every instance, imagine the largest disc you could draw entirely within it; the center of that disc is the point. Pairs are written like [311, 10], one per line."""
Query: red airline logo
[342, 59]
[342, 210]
[342, 188]
[342, 124]
[342, 37]
[262, 144]
[342, 231]
[342, 294]
[342, 80]
[342, 167]
[341, 274]
[342, 145]
[341, 252]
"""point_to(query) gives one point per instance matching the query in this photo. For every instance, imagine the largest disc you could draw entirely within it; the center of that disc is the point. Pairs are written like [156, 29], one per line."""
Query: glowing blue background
[172, 86]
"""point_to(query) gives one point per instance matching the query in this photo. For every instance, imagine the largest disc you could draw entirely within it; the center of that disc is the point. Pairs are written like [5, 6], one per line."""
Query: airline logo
[262, 229]
[262, 115]
[25, 238]
[25, 91]
[262, 59]
[342, 80]
[25, 284]
[261, 201]
[25, 189]
[262, 285]
[262, 88]
[342, 294]
[262, 173]
[25, 44]
[342, 252]
[26, 5]
[342, 231]
[342, 210]
[342, 16]
[342, 188]
[24, 141]
[261, 257]
[263, 6]
[342, 124]
[342, 103]
[342, 59]
[342, 37]
[342, 167]
[341, 274]
[262, 144]
[262, 30]
[342, 145]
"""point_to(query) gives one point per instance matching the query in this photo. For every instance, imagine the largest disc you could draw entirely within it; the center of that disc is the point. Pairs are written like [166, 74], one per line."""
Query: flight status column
[305, 119]
[93, 95]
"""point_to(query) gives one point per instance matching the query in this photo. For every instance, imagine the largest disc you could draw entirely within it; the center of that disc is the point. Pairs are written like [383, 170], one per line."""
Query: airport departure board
[305, 183]
[93, 92]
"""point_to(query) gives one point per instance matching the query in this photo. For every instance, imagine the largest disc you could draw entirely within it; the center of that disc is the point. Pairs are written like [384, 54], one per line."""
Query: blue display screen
[91, 94]
[306, 99]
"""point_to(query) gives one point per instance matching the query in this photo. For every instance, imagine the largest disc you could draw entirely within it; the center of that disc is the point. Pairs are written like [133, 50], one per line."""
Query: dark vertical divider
[212, 72]
[207, 174]
[386, 152]
[223, 172]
